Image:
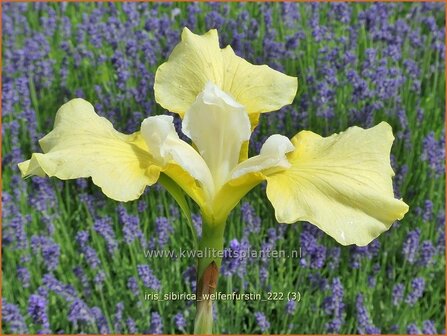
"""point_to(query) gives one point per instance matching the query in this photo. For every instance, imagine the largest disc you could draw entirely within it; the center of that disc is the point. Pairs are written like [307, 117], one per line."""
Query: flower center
[218, 125]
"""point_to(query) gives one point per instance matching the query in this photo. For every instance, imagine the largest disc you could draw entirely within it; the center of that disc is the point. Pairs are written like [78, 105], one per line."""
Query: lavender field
[74, 261]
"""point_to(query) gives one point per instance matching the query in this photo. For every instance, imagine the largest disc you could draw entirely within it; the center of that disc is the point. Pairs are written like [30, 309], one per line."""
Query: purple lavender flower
[190, 276]
[192, 10]
[131, 326]
[429, 328]
[122, 66]
[118, 317]
[80, 274]
[82, 238]
[417, 290]
[132, 285]
[80, 312]
[13, 318]
[235, 258]
[428, 211]
[42, 291]
[131, 228]
[103, 226]
[148, 277]
[269, 244]
[9, 206]
[24, 276]
[91, 257]
[37, 309]
[334, 257]
[313, 253]
[214, 19]
[411, 245]
[290, 13]
[81, 183]
[89, 201]
[426, 253]
[48, 248]
[164, 230]
[197, 223]
[141, 206]
[251, 219]
[334, 306]
[44, 197]
[433, 153]
[290, 307]
[65, 291]
[99, 278]
[14, 231]
[174, 211]
[101, 321]
[341, 11]
[318, 281]
[440, 220]
[372, 281]
[156, 326]
[263, 274]
[397, 294]
[364, 324]
[412, 329]
[179, 321]
[262, 321]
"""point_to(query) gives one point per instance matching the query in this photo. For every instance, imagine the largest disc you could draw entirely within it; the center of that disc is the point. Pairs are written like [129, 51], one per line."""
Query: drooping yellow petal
[258, 87]
[196, 60]
[83, 144]
[341, 183]
[230, 195]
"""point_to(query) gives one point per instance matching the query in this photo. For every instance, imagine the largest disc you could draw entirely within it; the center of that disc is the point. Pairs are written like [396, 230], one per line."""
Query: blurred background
[73, 261]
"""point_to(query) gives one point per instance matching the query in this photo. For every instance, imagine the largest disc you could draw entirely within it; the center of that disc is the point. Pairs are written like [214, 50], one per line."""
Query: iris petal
[247, 174]
[83, 144]
[258, 87]
[271, 157]
[198, 59]
[179, 160]
[218, 126]
[341, 183]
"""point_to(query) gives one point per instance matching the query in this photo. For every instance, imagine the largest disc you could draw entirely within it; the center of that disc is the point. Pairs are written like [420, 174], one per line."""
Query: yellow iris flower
[341, 183]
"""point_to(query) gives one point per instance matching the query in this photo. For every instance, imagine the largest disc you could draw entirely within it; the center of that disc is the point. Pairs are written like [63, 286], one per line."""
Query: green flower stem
[210, 254]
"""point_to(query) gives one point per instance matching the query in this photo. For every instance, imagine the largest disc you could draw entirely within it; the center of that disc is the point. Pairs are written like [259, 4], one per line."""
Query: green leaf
[179, 195]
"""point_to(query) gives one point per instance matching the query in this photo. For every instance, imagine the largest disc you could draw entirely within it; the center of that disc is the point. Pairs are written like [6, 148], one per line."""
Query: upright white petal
[271, 157]
[218, 125]
[166, 147]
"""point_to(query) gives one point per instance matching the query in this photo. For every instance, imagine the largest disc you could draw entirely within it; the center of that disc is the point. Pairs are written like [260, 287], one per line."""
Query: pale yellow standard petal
[258, 87]
[196, 60]
[83, 144]
[341, 183]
